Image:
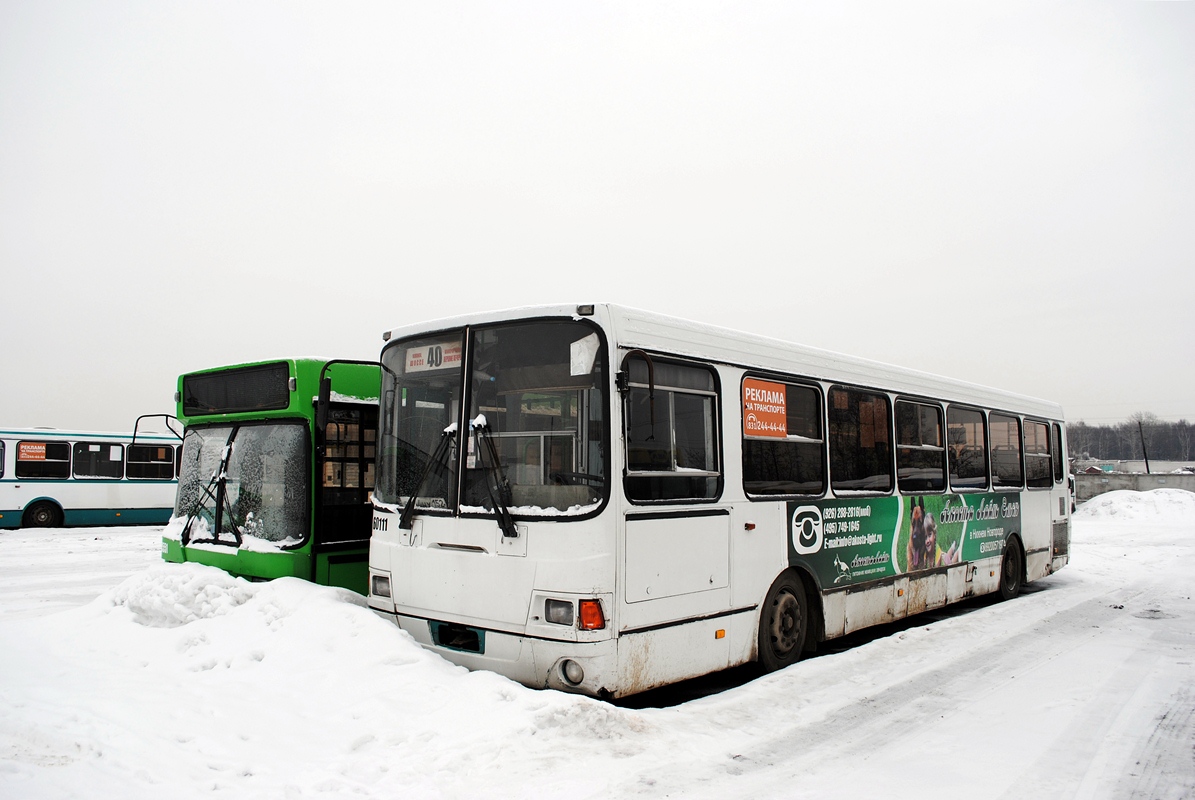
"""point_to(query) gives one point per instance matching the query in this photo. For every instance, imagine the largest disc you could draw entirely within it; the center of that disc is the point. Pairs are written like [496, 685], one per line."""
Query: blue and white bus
[50, 478]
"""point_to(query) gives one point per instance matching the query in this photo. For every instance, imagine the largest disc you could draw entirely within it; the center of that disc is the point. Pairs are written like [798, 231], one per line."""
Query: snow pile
[167, 597]
[1168, 506]
[183, 676]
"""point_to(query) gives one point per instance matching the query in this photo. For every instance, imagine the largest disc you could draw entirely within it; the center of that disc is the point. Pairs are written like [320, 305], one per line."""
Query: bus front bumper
[532, 661]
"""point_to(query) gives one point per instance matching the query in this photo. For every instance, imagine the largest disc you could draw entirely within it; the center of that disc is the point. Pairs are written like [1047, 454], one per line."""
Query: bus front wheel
[783, 623]
[1011, 571]
[42, 514]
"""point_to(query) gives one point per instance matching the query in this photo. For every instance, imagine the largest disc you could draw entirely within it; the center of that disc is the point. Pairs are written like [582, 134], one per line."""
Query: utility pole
[1141, 431]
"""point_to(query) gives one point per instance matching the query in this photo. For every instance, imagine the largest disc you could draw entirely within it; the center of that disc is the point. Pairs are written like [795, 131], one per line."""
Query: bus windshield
[244, 481]
[535, 397]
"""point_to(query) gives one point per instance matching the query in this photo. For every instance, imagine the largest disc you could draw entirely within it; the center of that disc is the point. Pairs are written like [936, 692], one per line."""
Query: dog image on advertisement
[915, 549]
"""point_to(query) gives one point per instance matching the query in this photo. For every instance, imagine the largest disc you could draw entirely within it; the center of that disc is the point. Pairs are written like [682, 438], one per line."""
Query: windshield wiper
[209, 492]
[214, 490]
[438, 459]
[496, 483]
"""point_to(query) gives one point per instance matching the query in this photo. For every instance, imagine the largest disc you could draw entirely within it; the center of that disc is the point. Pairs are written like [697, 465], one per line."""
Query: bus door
[676, 574]
[1040, 510]
[676, 548]
[345, 480]
[1062, 498]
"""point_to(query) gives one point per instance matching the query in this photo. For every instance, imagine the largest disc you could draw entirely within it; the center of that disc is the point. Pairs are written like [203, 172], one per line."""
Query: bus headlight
[379, 585]
[559, 612]
[571, 671]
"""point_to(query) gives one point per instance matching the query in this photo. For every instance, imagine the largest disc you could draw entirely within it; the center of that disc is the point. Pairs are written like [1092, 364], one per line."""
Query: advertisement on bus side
[845, 542]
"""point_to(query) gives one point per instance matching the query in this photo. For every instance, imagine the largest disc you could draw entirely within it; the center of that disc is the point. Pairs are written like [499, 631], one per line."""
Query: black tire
[42, 514]
[1012, 571]
[783, 623]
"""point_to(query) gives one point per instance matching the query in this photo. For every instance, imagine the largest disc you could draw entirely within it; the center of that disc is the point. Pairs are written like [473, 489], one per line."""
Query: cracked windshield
[249, 480]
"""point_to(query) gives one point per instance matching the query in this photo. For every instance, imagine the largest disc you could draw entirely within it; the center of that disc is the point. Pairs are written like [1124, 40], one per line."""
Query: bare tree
[1183, 435]
[1145, 424]
[1164, 441]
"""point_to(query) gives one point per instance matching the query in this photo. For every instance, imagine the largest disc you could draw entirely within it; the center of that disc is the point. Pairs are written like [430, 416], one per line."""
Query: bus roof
[636, 328]
[58, 433]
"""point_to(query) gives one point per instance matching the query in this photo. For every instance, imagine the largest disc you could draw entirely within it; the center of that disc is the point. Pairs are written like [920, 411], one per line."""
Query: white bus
[50, 478]
[603, 500]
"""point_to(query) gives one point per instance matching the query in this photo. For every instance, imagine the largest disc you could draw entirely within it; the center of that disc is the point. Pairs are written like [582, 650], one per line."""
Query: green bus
[277, 469]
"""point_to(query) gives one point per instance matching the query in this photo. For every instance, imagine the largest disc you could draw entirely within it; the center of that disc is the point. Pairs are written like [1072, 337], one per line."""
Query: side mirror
[321, 405]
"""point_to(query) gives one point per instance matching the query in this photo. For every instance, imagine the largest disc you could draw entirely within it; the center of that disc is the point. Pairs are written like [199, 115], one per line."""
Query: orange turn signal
[592, 618]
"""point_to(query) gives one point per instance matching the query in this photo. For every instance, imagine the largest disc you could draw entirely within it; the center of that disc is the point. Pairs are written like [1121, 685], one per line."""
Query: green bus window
[257, 388]
[350, 447]
[198, 488]
[265, 480]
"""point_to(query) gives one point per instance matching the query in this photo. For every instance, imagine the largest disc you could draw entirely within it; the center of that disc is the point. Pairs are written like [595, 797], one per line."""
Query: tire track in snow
[1163, 768]
[1100, 712]
[937, 691]
[789, 764]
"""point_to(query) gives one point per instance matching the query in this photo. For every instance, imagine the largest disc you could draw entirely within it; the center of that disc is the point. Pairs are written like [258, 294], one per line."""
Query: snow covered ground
[124, 677]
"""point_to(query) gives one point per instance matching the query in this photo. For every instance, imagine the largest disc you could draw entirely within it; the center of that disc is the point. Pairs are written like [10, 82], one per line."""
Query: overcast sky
[1003, 193]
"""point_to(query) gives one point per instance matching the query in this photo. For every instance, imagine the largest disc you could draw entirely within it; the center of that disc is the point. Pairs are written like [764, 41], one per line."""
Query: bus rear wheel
[1011, 570]
[42, 514]
[783, 623]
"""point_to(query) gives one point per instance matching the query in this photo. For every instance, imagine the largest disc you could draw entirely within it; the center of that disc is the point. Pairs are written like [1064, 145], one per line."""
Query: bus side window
[98, 460]
[150, 462]
[672, 441]
[43, 460]
[860, 448]
[920, 454]
[1056, 452]
[1006, 451]
[967, 444]
[783, 447]
[1037, 455]
[350, 440]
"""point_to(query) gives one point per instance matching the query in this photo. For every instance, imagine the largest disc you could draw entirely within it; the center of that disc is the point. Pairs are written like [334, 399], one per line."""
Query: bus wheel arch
[1012, 568]
[815, 619]
[42, 514]
[784, 619]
